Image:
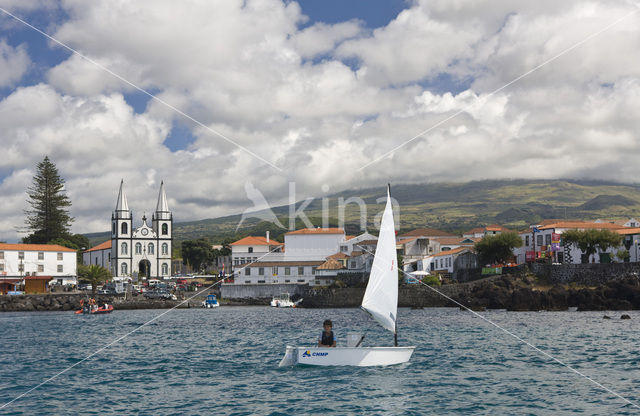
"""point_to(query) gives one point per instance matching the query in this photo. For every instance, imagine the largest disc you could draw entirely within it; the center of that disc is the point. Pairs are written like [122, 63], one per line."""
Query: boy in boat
[327, 339]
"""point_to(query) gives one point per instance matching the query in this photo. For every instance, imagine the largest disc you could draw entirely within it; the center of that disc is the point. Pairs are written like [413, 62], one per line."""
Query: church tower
[162, 224]
[121, 232]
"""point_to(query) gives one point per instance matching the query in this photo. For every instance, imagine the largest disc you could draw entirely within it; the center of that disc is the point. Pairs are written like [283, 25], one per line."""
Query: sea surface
[225, 361]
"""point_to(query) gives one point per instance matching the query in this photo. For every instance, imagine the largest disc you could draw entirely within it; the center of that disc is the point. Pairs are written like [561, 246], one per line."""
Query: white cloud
[14, 63]
[246, 70]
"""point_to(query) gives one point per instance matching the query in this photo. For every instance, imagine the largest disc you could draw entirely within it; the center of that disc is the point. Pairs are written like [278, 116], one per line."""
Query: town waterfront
[197, 361]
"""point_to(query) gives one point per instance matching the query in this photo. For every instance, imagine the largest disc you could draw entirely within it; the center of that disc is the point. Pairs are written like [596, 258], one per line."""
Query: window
[261, 281]
[261, 271]
[165, 229]
[1, 267]
[21, 255]
[344, 249]
[242, 260]
[247, 281]
[150, 249]
[113, 228]
[165, 269]
[313, 270]
[526, 241]
[274, 270]
[138, 248]
[287, 281]
[59, 256]
[124, 229]
[20, 267]
[353, 264]
[124, 249]
[250, 249]
[236, 262]
[60, 269]
[165, 249]
[300, 280]
[247, 271]
[1, 255]
[123, 269]
[547, 240]
[40, 268]
[40, 255]
[539, 239]
[109, 256]
[287, 271]
[300, 271]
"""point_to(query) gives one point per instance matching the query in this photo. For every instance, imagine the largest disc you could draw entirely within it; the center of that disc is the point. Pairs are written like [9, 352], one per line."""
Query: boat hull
[346, 356]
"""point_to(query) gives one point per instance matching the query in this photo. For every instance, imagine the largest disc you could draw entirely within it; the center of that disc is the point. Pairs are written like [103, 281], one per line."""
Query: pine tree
[48, 217]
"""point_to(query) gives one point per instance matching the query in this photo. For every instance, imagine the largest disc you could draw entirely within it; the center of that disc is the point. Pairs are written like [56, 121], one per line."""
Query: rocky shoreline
[71, 302]
[522, 292]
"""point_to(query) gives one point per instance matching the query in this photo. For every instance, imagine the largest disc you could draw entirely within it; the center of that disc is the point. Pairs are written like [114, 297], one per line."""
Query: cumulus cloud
[14, 62]
[323, 100]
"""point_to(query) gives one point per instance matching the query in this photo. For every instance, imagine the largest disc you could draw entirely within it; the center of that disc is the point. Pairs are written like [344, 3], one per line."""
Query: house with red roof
[22, 260]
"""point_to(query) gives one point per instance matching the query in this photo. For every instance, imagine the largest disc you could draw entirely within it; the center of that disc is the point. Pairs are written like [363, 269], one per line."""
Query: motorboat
[87, 309]
[210, 302]
[284, 301]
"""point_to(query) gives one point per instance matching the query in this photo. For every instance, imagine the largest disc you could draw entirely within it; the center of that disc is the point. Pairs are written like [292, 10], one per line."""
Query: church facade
[144, 252]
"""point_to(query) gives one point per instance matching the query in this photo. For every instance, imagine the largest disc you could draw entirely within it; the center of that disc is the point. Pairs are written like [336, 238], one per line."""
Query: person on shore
[327, 338]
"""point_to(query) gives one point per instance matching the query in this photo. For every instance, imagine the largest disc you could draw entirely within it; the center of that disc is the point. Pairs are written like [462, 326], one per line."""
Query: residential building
[427, 233]
[21, 260]
[249, 249]
[489, 230]
[301, 272]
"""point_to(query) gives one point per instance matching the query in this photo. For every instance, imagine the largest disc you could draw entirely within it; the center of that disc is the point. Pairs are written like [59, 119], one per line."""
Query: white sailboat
[380, 301]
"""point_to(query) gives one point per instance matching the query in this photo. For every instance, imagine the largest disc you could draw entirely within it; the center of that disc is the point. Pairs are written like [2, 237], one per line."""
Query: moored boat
[210, 302]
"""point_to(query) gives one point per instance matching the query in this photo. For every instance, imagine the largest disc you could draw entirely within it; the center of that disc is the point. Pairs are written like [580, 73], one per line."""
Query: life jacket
[327, 339]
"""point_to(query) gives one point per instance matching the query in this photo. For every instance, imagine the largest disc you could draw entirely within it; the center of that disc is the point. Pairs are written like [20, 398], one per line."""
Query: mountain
[453, 207]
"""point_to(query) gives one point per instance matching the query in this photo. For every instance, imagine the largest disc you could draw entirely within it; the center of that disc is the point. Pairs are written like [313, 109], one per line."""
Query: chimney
[267, 236]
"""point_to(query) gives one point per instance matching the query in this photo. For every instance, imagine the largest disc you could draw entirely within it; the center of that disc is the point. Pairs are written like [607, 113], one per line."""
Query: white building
[252, 248]
[100, 255]
[259, 260]
[142, 252]
[19, 260]
[544, 241]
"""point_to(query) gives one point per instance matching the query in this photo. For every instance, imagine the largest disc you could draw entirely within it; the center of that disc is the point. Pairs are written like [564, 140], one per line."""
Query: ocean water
[225, 361]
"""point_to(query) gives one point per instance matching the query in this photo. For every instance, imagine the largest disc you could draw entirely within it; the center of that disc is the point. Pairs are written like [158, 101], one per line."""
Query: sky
[325, 95]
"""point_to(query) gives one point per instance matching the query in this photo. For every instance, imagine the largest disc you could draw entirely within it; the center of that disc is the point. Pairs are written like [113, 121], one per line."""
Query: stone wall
[71, 302]
[592, 274]
[260, 291]
[415, 295]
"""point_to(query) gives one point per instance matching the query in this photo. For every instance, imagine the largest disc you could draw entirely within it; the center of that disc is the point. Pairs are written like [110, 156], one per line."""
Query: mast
[395, 333]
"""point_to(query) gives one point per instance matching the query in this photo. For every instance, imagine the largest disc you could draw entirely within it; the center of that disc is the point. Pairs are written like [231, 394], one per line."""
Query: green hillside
[454, 207]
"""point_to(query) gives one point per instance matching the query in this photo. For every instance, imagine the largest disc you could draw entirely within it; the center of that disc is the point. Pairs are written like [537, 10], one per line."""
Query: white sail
[381, 297]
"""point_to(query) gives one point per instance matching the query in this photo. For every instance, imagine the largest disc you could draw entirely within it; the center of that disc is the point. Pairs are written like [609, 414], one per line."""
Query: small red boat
[100, 310]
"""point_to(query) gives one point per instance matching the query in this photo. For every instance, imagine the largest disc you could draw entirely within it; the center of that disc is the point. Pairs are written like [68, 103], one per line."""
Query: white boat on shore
[380, 301]
[284, 301]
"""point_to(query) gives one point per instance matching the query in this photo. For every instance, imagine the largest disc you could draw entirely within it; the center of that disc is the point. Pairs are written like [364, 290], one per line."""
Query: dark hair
[328, 322]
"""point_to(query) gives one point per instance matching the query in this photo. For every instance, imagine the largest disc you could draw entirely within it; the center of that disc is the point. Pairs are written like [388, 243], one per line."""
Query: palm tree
[94, 274]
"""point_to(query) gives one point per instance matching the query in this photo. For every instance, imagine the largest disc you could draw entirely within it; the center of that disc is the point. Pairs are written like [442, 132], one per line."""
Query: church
[142, 252]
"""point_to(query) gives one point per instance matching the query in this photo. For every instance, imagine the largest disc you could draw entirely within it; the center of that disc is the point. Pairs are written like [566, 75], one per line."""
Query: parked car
[159, 294]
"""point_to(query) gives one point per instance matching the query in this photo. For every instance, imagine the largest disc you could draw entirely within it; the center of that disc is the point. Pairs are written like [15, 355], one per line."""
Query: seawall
[69, 302]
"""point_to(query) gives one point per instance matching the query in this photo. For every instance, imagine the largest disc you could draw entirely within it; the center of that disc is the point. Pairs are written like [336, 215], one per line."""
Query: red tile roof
[338, 256]
[102, 246]
[255, 241]
[582, 225]
[331, 264]
[448, 252]
[47, 278]
[317, 231]
[628, 231]
[34, 247]
[427, 232]
[455, 240]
